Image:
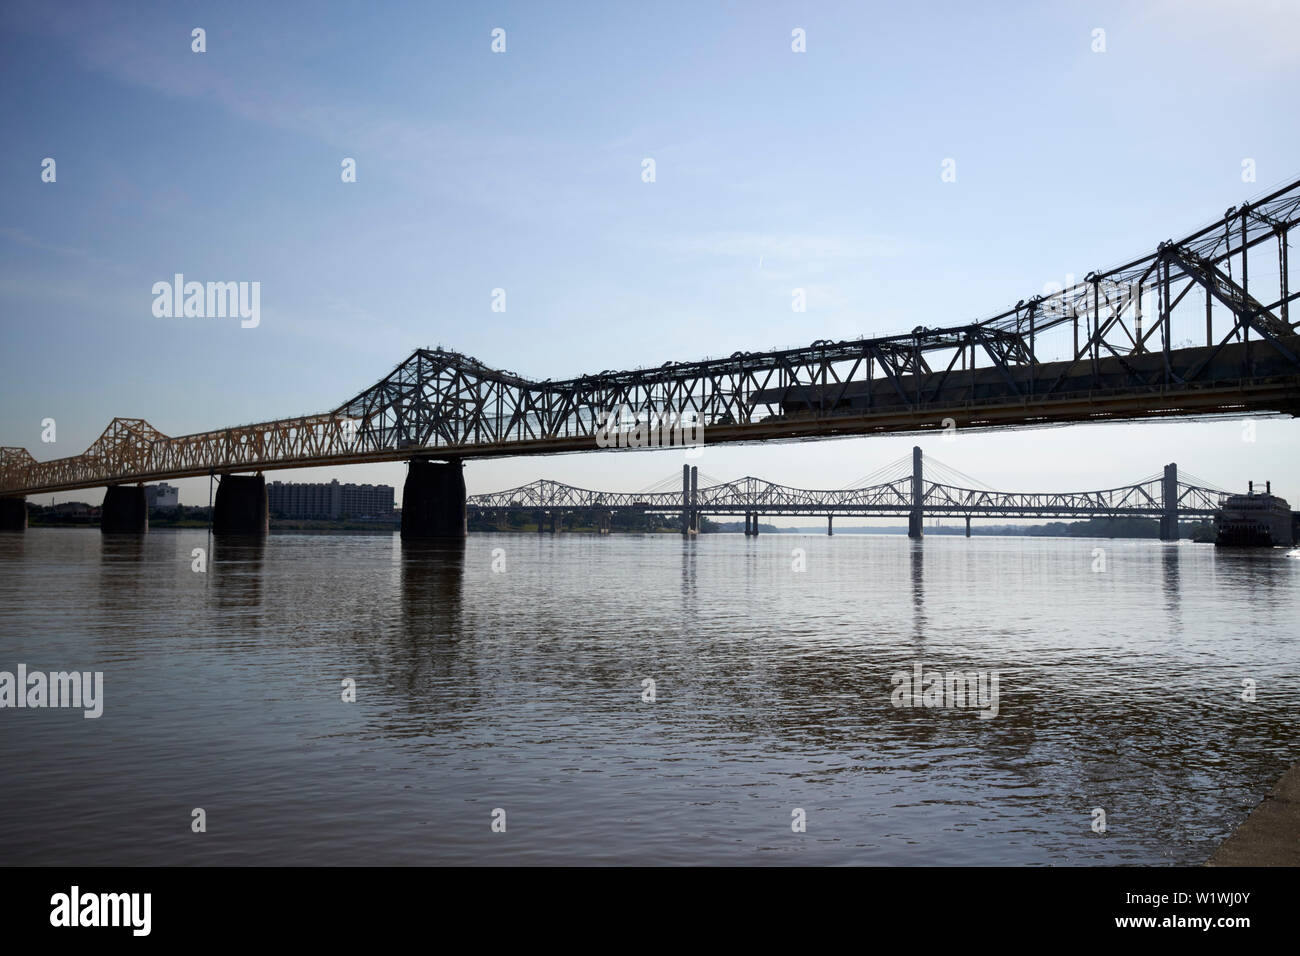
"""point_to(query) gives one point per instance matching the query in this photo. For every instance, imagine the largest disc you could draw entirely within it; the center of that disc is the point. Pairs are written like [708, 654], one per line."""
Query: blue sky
[522, 171]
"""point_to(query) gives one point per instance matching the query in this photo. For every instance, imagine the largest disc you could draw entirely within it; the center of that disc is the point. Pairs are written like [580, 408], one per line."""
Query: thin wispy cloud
[795, 248]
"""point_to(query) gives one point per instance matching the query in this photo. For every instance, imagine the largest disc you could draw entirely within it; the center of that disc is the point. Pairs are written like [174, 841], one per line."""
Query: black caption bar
[140, 906]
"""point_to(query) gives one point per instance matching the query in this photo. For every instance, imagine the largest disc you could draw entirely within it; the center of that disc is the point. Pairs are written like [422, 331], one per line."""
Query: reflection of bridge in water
[899, 489]
[1200, 325]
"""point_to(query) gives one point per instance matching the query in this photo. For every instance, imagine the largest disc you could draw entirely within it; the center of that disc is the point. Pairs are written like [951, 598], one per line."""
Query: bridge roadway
[1127, 343]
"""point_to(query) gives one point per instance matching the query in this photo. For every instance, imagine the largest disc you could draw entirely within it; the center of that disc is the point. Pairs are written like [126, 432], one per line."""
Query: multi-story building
[162, 495]
[329, 501]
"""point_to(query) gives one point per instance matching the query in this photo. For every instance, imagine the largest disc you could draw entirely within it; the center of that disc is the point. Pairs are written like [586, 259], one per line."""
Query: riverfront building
[162, 496]
[329, 501]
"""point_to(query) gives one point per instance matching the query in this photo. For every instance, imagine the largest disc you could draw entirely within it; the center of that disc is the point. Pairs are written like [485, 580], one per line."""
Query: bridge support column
[830, 525]
[1169, 489]
[433, 500]
[241, 506]
[915, 520]
[125, 510]
[755, 524]
[13, 514]
[541, 522]
[968, 526]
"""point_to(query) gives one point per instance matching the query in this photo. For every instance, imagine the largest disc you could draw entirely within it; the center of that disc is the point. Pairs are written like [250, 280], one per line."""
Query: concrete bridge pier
[125, 510]
[916, 518]
[13, 514]
[968, 526]
[241, 506]
[541, 522]
[830, 525]
[755, 524]
[1169, 496]
[433, 500]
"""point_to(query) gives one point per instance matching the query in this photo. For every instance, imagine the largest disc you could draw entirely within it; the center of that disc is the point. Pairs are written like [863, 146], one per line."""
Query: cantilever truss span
[1199, 326]
[892, 497]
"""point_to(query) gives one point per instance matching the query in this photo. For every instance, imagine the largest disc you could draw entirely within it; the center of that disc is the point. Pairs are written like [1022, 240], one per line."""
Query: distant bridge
[899, 489]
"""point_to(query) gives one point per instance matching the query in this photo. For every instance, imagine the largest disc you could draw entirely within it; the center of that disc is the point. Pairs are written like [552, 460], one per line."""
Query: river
[503, 711]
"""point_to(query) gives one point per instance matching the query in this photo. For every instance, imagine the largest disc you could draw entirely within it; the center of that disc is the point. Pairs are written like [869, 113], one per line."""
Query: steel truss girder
[887, 498]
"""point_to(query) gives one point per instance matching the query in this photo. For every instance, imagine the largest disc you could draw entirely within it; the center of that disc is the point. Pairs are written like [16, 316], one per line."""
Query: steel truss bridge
[1200, 325]
[890, 492]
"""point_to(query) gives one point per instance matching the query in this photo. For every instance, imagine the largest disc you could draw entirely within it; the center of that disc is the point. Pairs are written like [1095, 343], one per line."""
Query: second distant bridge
[900, 489]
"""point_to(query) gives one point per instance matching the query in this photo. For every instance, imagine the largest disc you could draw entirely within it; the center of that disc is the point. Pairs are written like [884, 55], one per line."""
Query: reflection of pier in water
[235, 569]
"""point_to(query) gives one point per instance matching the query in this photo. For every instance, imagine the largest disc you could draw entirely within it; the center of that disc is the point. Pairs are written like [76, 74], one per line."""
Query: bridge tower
[686, 499]
[690, 497]
[695, 500]
[433, 500]
[915, 518]
[1169, 499]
